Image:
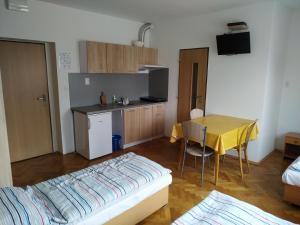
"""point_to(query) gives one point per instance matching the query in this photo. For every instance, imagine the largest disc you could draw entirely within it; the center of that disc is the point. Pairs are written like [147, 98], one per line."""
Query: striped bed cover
[70, 198]
[219, 208]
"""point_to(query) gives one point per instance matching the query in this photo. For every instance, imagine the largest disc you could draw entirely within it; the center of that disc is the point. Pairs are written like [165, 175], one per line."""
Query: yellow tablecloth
[223, 132]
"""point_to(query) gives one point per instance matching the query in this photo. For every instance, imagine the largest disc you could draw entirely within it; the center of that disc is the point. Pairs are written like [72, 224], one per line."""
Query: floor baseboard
[252, 162]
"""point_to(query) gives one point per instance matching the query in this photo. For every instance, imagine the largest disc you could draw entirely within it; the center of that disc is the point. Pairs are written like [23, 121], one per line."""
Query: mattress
[85, 193]
[291, 175]
[116, 208]
[219, 208]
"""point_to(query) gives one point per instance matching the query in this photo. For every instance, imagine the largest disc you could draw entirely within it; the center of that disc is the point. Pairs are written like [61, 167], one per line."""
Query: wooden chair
[196, 133]
[196, 113]
[243, 145]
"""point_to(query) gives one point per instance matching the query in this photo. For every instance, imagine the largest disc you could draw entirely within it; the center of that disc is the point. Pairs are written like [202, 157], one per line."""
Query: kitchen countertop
[94, 109]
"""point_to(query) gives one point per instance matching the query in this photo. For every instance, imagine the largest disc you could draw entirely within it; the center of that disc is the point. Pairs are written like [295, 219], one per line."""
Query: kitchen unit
[117, 70]
[93, 134]
[136, 123]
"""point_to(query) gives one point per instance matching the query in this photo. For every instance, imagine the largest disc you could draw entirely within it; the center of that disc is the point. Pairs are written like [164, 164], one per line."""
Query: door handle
[42, 98]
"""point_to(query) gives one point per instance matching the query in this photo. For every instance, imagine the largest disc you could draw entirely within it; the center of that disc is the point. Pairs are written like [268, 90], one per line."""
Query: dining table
[222, 134]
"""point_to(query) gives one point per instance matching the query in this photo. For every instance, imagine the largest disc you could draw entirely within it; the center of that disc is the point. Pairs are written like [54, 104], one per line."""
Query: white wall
[276, 66]
[65, 26]
[289, 119]
[236, 84]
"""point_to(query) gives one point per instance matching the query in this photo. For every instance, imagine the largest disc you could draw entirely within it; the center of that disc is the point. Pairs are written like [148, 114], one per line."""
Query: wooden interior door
[192, 81]
[25, 91]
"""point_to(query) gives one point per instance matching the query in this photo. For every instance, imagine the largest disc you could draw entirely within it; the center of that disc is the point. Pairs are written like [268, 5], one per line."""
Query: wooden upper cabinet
[93, 57]
[131, 60]
[148, 56]
[158, 114]
[146, 122]
[97, 57]
[115, 58]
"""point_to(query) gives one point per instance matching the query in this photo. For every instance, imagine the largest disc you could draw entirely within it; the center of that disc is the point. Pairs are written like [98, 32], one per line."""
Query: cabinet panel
[81, 134]
[131, 60]
[148, 56]
[158, 120]
[96, 57]
[115, 58]
[131, 125]
[146, 122]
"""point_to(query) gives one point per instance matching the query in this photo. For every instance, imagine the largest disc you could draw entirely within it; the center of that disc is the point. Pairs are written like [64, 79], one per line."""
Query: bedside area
[292, 145]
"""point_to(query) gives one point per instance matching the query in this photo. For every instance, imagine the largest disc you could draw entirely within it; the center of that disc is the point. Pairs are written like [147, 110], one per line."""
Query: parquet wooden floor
[262, 187]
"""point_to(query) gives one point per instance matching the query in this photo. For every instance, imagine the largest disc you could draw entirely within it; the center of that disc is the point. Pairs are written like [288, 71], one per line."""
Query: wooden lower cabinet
[158, 120]
[146, 122]
[143, 123]
[131, 125]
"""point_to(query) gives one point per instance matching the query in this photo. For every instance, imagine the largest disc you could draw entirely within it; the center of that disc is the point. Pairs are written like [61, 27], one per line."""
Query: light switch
[87, 81]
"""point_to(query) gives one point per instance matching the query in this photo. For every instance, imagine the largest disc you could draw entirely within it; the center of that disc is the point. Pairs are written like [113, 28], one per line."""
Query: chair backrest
[246, 134]
[196, 113]
[194, 132]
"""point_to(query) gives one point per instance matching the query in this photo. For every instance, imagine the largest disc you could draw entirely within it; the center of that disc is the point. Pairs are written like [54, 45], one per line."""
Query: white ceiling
[152, 10]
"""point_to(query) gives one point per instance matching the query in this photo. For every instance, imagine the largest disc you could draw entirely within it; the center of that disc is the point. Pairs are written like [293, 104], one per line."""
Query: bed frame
[291, 194]
[143, 209]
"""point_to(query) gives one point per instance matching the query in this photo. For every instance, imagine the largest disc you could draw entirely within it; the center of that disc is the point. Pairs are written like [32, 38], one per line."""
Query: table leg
[180, 154]
[217, 165]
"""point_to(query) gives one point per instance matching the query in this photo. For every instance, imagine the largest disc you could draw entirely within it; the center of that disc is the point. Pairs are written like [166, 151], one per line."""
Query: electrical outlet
[87, 81]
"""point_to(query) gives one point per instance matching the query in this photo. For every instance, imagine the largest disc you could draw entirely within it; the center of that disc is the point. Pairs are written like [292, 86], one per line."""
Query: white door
[100, 135]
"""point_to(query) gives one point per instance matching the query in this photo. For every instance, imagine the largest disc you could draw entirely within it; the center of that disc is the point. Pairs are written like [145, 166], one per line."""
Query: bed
[291, 181]
[219, 208]
[123, 190]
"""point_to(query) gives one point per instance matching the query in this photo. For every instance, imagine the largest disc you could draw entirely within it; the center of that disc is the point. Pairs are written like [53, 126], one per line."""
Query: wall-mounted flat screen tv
[235, 43]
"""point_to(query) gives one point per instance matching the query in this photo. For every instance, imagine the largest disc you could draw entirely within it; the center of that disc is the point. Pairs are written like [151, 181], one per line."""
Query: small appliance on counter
[153, 99]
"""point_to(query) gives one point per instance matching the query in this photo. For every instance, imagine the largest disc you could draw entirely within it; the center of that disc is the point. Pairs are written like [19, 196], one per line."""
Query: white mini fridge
[93, 134]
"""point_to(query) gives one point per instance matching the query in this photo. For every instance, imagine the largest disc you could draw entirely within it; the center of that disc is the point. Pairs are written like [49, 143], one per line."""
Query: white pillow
[296, 164]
